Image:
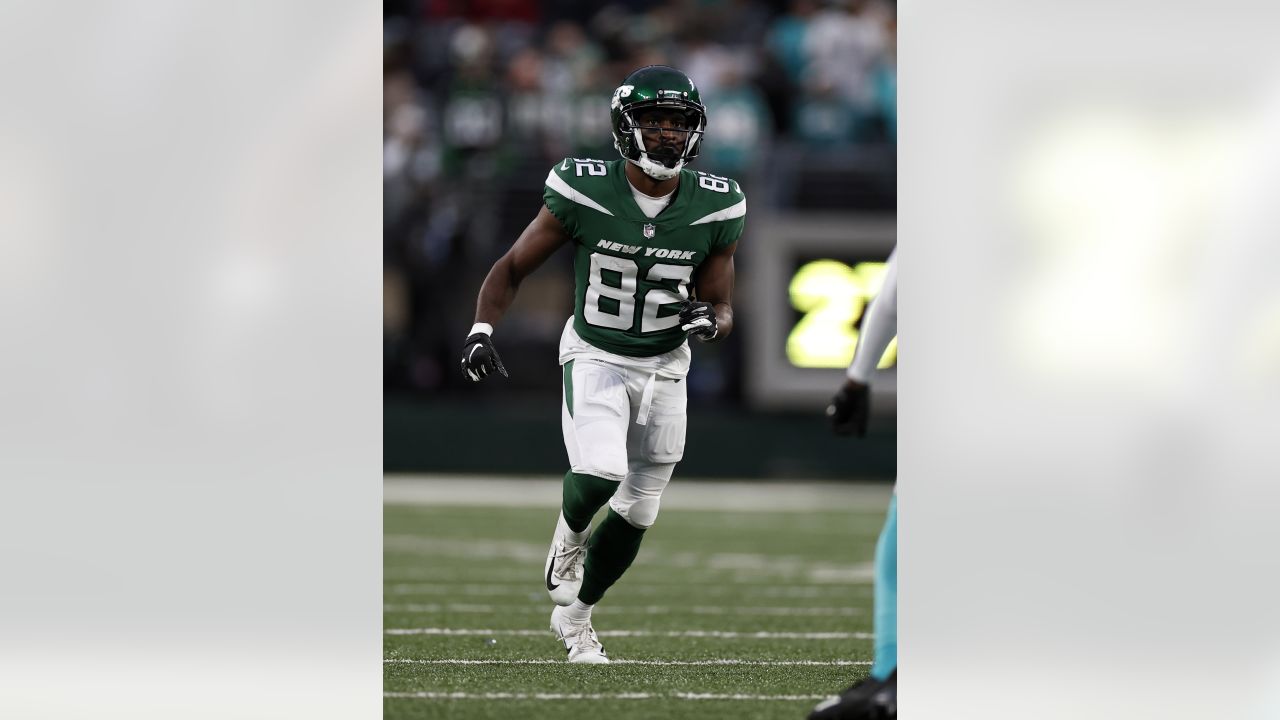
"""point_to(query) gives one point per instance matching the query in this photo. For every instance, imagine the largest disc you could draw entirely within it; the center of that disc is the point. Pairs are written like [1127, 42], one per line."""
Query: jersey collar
[631, 211]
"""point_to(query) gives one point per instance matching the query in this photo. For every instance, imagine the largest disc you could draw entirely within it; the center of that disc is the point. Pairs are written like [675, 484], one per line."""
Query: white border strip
[644, 633]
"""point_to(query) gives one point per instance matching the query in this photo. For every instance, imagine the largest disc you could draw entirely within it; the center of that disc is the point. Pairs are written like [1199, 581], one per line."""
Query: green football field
[752, 612]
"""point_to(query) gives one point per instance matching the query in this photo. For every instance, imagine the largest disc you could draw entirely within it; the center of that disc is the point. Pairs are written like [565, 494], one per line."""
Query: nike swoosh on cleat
[551, 566]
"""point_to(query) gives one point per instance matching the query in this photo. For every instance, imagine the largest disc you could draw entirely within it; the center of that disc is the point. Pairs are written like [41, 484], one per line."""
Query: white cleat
[579, 639]
[564, 566]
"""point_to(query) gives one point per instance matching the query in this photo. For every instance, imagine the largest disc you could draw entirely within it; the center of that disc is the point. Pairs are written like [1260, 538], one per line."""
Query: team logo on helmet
[621, 92]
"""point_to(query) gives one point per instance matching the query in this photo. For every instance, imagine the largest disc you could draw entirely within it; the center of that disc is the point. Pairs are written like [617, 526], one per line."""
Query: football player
[653, 246]
[876, 697]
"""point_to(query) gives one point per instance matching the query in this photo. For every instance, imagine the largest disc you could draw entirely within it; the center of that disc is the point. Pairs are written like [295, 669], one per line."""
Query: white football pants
[626, 425]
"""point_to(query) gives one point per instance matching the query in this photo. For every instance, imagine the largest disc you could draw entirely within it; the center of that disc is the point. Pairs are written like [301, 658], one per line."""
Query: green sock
[612, 548]
[583, 496]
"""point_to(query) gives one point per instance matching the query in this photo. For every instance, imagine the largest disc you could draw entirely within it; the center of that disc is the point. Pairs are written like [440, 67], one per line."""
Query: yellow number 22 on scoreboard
[832, 296]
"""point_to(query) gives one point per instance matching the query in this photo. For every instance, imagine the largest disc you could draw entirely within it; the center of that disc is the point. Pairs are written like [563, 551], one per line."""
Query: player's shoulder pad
[583, 181]
[717, 198]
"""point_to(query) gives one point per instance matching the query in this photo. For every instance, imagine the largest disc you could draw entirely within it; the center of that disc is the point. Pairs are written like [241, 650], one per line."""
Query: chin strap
[656, 170]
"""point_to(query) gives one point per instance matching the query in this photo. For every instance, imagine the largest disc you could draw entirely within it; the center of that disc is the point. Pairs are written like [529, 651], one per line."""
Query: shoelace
[566, 565]
[580, 635]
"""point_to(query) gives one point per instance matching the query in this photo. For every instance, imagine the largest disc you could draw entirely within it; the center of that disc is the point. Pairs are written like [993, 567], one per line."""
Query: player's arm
[851, 406]
[710, 317]
[543, 237]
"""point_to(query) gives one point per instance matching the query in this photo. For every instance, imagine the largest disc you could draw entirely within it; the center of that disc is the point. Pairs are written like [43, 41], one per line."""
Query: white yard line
[506, 589]
[532, 587]
[590, 696]
[790, 566]
[660, 663]
[643, 633]
[743, 696]
[425, 572]
[471, 548]
[517, 696]
[438, 582]
[632, 609]
[714, 496]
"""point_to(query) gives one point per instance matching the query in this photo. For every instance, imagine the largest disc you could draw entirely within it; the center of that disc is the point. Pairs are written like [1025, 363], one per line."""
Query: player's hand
[849, 409]
[479, 358]
[698, 319]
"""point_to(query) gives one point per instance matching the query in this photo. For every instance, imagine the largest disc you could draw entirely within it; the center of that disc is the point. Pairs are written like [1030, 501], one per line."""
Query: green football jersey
[631, 271]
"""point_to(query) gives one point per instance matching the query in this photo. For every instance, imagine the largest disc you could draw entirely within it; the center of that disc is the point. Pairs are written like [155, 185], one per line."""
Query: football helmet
[656, 86]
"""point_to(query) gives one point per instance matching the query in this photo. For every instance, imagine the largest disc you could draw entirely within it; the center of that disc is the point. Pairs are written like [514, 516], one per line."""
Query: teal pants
[886, 622]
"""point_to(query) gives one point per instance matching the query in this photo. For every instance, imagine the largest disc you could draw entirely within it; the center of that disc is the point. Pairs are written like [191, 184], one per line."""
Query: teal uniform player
[875, 697]
[653, 247]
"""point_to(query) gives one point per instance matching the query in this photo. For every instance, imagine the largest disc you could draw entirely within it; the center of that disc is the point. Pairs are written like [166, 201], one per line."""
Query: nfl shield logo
[649, 230]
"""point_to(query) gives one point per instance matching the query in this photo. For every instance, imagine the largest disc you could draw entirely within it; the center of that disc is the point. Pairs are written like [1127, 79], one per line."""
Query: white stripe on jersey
[728, 213]
[555, 182]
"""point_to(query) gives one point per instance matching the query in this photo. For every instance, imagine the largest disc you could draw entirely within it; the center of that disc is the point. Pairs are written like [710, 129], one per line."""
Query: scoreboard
[806, 283]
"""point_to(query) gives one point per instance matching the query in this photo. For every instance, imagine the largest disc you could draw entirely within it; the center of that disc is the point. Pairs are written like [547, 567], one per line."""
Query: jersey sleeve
[557, 196]
[731, 230]
[725, 208]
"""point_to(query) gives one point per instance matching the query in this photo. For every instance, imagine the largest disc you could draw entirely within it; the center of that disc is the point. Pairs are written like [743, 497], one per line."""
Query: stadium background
[481, 98]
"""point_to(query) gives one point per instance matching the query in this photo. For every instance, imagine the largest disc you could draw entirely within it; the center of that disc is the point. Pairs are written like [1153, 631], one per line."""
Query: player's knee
[639, 513]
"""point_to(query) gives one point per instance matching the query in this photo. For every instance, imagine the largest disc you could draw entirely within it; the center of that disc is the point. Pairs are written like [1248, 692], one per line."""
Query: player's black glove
[698, 319]
[479, 358]
[849, 409]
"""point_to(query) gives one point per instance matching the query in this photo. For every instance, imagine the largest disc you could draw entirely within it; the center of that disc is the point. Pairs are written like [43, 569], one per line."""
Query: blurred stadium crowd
[482, 97]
